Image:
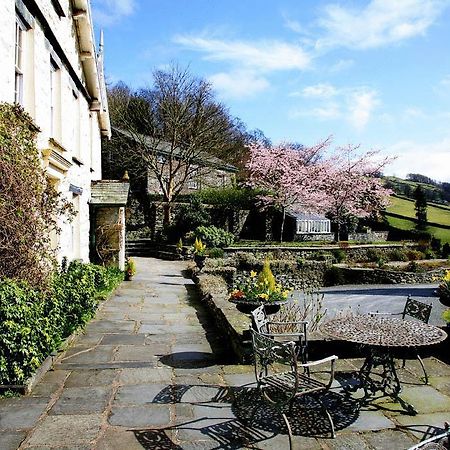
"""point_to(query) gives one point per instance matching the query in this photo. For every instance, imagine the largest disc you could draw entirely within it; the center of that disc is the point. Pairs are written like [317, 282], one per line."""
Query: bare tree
[172, 128]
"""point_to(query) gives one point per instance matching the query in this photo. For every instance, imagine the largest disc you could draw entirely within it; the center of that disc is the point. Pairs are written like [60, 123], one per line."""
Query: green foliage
[414, 255]
[33, 323]
[374, 255]
[397, 254]
[230, 197]
[339, 255]
[214, 237]
[130, 268]
[189, 217]
[446, 315]
[414, 266]
[216, 252]
[29, 206]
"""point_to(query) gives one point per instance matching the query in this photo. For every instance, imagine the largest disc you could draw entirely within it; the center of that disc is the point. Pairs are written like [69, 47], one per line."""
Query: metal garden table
[380, 336]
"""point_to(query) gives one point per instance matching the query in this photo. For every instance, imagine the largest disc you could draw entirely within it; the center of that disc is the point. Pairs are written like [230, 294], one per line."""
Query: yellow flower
[264, 296]
[286, 293]
[253, 274]
[447, 276]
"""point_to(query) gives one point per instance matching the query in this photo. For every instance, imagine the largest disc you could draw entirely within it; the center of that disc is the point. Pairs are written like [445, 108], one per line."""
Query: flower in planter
[130, 268]
[444, 287]
[199, 247]
[261, 288]
[446, 316]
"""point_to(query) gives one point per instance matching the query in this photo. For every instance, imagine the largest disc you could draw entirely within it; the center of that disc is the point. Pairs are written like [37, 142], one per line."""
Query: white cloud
[238, 84]
[361, 105]
[342, 64]
[379, 23]
[263, 55]
[108, 12]
[327, 111]
[413, 113]
[321, 90]
[428, 158]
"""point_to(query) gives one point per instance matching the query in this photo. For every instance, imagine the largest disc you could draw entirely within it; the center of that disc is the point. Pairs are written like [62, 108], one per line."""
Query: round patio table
[380, 335]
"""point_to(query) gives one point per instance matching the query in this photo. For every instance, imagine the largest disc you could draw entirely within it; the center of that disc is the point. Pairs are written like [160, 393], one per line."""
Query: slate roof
[109, 192]
[163, 148]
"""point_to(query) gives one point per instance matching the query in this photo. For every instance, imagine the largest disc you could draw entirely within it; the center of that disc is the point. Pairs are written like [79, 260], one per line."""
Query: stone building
[51, 66]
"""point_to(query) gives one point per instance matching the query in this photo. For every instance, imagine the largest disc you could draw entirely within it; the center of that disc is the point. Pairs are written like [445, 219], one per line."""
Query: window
[193, 180]
[55, 95]
[18, 57]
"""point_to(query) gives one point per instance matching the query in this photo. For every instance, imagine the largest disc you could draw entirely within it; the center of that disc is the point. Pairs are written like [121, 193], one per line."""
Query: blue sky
[375, 73]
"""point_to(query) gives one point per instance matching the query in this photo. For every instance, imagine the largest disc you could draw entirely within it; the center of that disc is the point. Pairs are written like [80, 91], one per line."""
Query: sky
[374, 73]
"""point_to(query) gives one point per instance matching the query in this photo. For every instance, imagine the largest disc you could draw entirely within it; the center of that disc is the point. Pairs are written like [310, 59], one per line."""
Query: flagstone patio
[151, 371]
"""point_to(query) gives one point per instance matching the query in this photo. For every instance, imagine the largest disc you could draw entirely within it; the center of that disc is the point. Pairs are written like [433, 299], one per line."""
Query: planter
[200, 261]
[246, 307]
[445, 300]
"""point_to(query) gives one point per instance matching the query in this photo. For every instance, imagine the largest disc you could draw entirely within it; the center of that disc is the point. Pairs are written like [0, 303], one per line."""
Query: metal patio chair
[280, 379]
[439, 442]
[416, 310]
[298, 331]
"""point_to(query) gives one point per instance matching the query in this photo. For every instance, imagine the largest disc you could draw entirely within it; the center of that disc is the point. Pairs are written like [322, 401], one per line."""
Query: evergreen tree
[421, 207]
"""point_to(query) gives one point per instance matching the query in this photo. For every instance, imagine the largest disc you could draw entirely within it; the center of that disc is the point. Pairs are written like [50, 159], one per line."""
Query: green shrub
[214, 237]
[397, 254]
[414, 255]
[231, 197]
[374, 255]
[339, 255]
[215, 252]
[33, 323]
[414, 266]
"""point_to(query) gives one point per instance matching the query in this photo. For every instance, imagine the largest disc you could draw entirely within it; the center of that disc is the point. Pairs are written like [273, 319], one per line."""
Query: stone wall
[382, 276]
[322, 237]
[372, 236]
[352, 252]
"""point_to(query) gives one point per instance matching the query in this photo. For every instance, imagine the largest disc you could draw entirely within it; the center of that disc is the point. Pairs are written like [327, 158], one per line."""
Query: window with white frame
[19, 60]
[193, 182]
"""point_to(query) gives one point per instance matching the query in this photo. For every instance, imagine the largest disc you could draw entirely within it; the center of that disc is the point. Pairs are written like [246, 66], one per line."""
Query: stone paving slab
[149, 372]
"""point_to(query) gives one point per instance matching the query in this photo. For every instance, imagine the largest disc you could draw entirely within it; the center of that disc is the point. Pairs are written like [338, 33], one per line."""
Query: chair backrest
[260, 319]
[270, 351]
[417, 310]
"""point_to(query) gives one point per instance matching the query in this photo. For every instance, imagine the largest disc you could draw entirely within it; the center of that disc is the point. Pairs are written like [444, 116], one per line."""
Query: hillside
[434, 192]
[403, 217]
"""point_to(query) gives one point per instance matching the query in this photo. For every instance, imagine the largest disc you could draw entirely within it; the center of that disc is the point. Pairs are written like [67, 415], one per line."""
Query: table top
[383, 331]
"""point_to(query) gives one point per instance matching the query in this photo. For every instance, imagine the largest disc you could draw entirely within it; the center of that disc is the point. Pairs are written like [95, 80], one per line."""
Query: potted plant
[130, 269]
[444, 289]
[253, 290]
[199, 253]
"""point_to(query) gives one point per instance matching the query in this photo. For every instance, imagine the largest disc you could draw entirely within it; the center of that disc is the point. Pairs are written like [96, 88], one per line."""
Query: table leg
[386, 382]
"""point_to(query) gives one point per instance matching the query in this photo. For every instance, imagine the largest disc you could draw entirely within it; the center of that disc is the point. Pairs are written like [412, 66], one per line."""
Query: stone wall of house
[203, 178]
[74, 133]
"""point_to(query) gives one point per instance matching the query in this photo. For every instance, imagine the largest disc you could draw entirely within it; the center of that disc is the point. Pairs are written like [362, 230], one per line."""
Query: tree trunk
[167, 210]
[338, 232]
[282, 224]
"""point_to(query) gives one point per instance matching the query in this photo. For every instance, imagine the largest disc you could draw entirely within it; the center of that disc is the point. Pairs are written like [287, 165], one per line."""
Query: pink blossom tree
[292, 176]
[353, 185]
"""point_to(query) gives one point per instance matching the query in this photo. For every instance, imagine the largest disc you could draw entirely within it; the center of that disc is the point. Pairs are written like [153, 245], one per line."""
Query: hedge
[33, 323]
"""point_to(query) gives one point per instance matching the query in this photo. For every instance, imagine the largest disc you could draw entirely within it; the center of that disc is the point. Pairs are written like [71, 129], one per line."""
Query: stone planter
[200, 261]
[246, 307]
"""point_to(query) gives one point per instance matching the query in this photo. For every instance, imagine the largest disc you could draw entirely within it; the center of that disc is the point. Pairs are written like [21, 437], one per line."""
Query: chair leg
[423, 368]
[330, 419]
[288, 426]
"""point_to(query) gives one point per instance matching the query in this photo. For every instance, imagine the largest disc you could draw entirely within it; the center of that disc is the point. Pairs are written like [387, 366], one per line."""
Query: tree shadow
[188, 360]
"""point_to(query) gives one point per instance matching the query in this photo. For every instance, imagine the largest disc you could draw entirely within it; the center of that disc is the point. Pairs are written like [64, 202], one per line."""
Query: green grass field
[406, 208]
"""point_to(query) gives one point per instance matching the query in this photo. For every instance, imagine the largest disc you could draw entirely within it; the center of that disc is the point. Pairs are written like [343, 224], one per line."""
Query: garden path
[150, 371]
